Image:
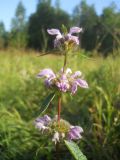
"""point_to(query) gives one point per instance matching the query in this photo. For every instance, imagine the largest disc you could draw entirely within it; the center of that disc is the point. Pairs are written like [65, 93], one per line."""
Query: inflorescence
[60, 132]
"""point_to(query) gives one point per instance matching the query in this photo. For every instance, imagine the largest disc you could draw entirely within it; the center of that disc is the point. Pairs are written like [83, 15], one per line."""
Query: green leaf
[74, 150]
[47, 101]
[64, 29]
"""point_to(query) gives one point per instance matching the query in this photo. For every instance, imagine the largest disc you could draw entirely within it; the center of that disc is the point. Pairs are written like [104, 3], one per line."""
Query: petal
[43, 120]
[73, 135]
[47, 118]
[68, 71]
[63, 135]
[49, 82]
[75, 39]
[46, 73]
[56, 137]
[59, 36]
[39, 125]
[74, 88]
[63, 86]
[57, 43]
[53, 31]
[77, 128]
[75, 30]
[82, 83]
[76, 74]
[74, 132]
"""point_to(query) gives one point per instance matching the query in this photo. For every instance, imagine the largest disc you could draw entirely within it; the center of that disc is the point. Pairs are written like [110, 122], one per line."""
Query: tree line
[100, 32]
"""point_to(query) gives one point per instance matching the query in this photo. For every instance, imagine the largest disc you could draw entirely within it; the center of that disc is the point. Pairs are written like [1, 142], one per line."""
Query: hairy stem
[65, 62]
[59, 109]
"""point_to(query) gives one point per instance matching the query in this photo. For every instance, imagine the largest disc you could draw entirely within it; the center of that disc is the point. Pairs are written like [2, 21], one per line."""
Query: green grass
[97, 109]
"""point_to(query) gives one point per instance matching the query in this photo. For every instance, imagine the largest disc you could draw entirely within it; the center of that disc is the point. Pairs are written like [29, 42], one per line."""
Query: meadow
[96, 109]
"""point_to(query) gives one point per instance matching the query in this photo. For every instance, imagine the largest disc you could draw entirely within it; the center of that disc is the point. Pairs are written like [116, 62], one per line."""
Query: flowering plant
[64, 131]
[62, 82]
[65, 39]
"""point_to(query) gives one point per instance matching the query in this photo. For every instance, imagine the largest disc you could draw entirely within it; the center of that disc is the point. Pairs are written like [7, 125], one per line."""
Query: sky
[8, 7]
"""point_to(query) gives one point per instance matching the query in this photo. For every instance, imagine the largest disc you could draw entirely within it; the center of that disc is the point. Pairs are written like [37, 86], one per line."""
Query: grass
[97, 109]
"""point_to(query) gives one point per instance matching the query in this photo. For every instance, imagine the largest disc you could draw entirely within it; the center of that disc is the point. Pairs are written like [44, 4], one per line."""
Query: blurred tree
[85, 16]
[110, 24]
[45, 17]
[18, 35]
[101, 33]
[3, 36]
[2, 29]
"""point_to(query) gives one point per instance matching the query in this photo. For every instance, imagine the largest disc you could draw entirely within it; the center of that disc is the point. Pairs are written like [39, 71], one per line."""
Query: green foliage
[47, 102]
[18, 35]
[3, 36]
[101, 33]
[75, 151]
[102, 29]
[110, 24]
[97, 109]
[86, 16]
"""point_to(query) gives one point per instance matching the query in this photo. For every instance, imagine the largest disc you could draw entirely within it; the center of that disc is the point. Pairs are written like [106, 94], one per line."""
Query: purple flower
[54, 31]
[73, 39]
[76, 81]
[75, 133]
[82, 83]
[61, 39]
[76, 74]
[74, 88]
[49, 75]
[50, 127]
[63, 81]
[46, 73]
[42, 122]
[75, 30]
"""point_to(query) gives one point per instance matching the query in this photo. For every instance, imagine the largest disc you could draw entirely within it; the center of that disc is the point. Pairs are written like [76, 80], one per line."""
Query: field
[97, 109]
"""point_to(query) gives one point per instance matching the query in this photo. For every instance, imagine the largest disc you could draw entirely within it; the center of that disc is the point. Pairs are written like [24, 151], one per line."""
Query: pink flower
[75, 133]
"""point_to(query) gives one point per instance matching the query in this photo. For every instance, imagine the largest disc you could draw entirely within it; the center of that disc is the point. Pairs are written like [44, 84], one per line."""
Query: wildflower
[42, 123]
[65, 38]
[48, 73]
[76, 80]
[63, 81]
[75, 133]
[58, 132]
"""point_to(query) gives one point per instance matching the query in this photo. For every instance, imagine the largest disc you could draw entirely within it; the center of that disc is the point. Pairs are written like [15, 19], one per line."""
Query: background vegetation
[103, 29]
[97, 109]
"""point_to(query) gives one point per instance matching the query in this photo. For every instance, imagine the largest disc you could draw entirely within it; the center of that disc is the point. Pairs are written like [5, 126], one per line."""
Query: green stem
[65, 62]
[59, 109]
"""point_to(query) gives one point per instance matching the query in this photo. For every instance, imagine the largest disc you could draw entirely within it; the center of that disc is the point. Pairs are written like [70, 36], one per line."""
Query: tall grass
[97, 109]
